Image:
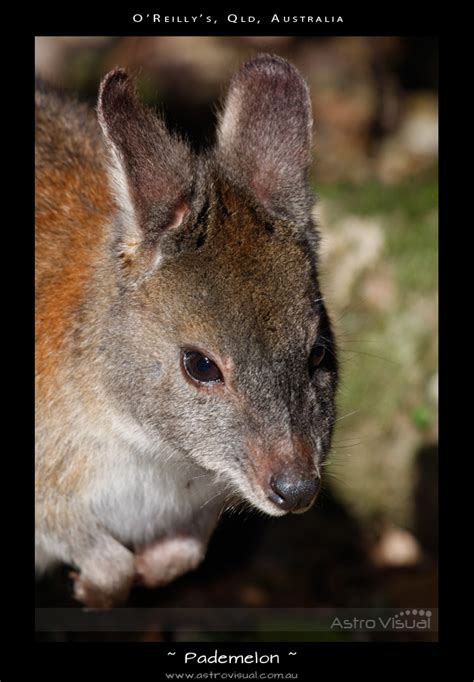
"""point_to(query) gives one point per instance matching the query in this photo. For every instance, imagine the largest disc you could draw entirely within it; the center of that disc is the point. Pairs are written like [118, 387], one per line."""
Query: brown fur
[73, 202]
[144, 252]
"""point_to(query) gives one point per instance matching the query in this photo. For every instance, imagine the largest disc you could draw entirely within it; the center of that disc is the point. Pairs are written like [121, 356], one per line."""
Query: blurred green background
[372, 538]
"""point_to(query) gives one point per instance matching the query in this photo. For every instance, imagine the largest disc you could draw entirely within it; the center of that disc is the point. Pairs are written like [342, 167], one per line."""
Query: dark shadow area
[317, 560]
[426, 498]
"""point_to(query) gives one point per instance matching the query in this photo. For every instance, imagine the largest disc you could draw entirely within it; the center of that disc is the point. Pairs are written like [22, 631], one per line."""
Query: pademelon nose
[292, 493]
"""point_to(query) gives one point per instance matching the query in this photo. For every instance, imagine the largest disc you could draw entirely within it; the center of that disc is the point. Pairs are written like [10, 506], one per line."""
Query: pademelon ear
[151, 170]
[264, 134]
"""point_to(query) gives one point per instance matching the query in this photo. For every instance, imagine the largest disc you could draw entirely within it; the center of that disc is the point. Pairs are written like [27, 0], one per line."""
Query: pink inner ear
[261, 191]
[264, 184]
[178, 216]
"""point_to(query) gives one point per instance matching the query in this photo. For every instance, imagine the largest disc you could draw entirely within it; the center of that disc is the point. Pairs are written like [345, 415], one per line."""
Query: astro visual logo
[406, 619]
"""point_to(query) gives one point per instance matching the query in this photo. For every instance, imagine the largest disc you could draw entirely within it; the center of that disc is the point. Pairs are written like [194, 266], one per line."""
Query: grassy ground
[380, 275]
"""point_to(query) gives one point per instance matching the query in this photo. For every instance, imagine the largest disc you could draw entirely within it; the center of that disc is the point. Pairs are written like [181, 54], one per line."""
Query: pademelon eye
[315, 358]
[201, 369]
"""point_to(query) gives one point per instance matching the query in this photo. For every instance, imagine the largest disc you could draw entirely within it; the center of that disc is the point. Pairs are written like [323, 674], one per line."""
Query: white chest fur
[143, 497]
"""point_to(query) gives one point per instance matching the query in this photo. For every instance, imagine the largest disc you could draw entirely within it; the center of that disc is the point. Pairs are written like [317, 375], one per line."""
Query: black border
[377, 660]
[380, 19]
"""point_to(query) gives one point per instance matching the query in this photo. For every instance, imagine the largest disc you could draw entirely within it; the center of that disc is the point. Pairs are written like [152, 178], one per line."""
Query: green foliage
[388, 346]
[422, 417]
